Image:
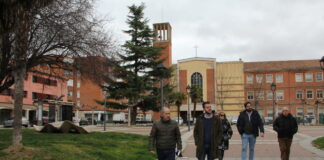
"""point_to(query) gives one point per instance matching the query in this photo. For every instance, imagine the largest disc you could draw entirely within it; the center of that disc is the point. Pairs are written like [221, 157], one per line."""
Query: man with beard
[207, 134]
[286, 126]
[165, 137]
[248, 125]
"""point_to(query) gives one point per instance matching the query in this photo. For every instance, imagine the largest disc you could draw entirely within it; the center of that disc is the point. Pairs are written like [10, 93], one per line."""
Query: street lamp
[161, 68]
[273, 89]
[188, 115]
[105, 89]
[322, 63]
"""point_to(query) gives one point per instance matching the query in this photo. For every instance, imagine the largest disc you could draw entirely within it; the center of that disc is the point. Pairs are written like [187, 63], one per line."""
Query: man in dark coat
[207, 134]
[286, 126]
[165, 137]
[248, 125]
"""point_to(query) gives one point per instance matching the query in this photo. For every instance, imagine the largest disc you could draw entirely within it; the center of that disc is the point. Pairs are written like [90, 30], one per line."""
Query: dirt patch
[19, 152]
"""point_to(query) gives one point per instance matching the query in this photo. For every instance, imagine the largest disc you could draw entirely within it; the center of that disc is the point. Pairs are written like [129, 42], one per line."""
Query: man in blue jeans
[249, 124]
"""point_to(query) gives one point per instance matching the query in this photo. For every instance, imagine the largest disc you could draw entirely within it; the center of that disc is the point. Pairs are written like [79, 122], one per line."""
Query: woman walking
[227, 134]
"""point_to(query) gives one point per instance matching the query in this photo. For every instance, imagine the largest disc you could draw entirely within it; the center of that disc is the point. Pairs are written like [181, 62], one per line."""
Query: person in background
[286, 126]
[165, 137]
[227, 134]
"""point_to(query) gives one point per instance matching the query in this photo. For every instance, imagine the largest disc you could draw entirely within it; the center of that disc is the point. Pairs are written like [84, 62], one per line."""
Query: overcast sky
[254, 30]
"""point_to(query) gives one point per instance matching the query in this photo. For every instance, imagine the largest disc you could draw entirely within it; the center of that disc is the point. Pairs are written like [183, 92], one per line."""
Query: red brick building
[299, 86]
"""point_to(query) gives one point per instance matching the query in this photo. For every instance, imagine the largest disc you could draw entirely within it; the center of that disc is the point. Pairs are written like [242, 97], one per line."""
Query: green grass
[319, 143]
[93, 146]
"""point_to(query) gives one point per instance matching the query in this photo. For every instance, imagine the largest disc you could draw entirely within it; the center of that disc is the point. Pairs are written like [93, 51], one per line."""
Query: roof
[291, 65]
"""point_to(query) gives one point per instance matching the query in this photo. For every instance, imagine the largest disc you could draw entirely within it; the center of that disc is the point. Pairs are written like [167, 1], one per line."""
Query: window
[299, 94]
[319, 94]
[78, 94]
[269, 78]
[196, 79]
[300, 111]
[310, 111]
[260, 96]
[280, 95]
[279, 78]
[299, 77]
[70, 82]
[279, 110]
[79, 84]
[309, 94]
[269, 95]
[78, 103]
[259, 78]
[70, 93]
[321, 110]
[67, 72]
[319, 76]
[309, 77]
[249, 79]
[250, 95]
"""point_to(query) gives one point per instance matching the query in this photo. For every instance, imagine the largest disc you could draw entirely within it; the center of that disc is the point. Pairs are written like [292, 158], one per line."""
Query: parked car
[234, 119]
[180, 120]
[87, 121]
[9, 123]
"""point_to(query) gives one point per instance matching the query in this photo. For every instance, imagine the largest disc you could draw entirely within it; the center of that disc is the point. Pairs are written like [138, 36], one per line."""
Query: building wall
[230, 87]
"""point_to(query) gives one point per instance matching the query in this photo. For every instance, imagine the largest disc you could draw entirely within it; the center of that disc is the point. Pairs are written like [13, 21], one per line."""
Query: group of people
[212, 133]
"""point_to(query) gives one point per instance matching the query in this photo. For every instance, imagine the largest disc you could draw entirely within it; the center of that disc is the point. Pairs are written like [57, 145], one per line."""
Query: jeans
[206, 152]
[166, 154]
[248, 138]
[284, 145]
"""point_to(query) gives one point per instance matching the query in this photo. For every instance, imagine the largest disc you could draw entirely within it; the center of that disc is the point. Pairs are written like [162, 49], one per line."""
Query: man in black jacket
[248, 124]
[286, 126]
[165, 137]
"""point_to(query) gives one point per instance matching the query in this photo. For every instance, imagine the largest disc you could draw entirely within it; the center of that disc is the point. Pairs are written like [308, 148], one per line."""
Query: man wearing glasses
[207, 134]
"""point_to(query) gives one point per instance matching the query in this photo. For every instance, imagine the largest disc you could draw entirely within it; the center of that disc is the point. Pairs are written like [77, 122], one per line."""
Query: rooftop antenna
[196, 48]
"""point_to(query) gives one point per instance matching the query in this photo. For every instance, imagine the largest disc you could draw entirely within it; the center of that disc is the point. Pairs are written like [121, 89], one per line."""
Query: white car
[234, 119]
[176, 119]
[9, 123]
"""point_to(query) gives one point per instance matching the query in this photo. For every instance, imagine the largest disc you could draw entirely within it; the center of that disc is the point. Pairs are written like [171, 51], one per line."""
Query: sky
[227, 30]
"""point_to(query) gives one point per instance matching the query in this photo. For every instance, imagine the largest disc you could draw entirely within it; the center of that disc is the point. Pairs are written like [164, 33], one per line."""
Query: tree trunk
[19, 72]
[178, 107]
[133, 115]
[194, 113]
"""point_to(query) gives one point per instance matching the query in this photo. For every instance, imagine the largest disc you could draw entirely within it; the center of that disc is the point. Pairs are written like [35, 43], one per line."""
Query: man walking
[286, 126]
[165, 137]
[248, 124]
[207, 134]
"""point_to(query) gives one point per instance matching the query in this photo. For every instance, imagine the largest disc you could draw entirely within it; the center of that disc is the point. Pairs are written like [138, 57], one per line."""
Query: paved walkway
[268, 148]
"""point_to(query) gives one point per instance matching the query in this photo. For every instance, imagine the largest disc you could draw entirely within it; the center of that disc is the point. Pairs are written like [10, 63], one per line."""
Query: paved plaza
[266, 148]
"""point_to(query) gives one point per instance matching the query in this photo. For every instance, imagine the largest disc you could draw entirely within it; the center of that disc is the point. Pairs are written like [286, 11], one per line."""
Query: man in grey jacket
[165, 137]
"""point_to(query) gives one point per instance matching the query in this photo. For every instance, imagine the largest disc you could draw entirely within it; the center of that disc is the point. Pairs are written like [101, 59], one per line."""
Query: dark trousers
[206, 152]
[166, 154]
[284, 145]
[221, 155]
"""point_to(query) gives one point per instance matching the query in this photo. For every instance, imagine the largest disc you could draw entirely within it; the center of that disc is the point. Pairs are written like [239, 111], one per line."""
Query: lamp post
[273, 89]
[161, 68]
[188, 115]
[105, 89]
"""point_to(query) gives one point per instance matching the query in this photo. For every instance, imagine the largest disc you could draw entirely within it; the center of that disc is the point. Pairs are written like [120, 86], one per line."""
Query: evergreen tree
[135, 72]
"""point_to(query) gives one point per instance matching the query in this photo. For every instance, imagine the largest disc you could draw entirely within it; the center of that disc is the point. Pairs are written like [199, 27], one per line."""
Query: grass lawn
[319, 143]
[108, 146]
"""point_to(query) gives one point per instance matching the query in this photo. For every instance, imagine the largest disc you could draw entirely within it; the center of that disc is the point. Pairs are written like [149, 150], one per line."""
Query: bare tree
[39, 32]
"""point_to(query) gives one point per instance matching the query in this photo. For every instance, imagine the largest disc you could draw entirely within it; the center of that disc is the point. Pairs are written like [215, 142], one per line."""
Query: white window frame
[70, 82]
[260, 95]
[259, 78]
[78, 94]
[308, 111]
[79, 84]
[280, 95]
[317, 94]
[307, 91]
[268, 79]
[299, 77]
[299, 111]
[249, 79]
[302, 94]
[309, 77]
[321, 73]
[268, 94]
[249, 94]
[279, 80]
[70, 93]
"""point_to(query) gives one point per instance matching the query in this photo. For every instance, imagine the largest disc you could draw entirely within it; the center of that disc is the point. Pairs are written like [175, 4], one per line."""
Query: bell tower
[163, 37]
